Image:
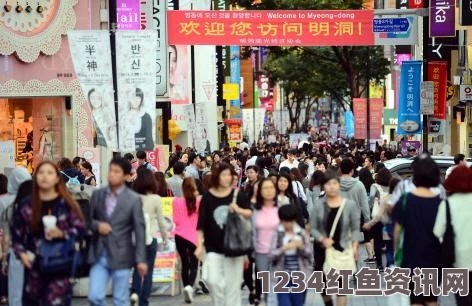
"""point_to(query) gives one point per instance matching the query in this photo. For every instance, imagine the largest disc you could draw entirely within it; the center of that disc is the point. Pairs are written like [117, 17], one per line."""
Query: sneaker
[381, 269]
[204, 286]
[188, 294]
[369, 260]
[134, 299]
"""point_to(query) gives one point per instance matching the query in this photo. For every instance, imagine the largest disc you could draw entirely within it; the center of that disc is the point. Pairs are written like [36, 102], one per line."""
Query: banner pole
[112, 28]
[425, 74]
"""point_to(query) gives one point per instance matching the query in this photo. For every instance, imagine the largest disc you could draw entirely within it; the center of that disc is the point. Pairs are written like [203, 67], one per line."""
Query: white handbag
[336, 259]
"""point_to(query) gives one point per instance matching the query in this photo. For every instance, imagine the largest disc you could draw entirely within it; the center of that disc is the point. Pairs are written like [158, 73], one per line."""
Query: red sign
[153, 158]
[416, 4]
[271, 28]
[437, 72]
[360, 118]
[376, 112]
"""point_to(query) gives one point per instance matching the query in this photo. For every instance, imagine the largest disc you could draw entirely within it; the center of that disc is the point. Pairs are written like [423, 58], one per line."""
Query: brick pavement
[312, 298]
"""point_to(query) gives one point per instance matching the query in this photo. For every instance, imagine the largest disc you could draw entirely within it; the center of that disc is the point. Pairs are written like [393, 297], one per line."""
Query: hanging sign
[409, 117]
[442, 18]
[437, 72]
[271, 28]
[427, 98]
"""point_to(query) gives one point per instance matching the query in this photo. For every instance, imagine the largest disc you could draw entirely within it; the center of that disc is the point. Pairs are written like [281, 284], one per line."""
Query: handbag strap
[235, 197]
[336, 219]
[448, 214]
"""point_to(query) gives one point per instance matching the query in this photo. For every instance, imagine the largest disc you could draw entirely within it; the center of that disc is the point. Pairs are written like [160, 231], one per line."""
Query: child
[291, 251]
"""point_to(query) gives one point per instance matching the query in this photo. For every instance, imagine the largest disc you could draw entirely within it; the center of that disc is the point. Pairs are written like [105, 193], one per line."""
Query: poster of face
[91, 57]
[202, 142]
[136, 79]
[179, 74]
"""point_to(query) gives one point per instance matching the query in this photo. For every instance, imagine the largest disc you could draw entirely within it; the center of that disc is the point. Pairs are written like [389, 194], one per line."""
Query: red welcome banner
[437, 72]
[271, 28]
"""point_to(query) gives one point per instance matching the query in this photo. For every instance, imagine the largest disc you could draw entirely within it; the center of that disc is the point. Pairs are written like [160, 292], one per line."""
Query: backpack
[72, 181]
[379, 197]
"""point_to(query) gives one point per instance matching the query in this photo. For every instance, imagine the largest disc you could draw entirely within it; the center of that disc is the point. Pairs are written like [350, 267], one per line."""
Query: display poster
[349, 121]
[437, 73]
[271, 28]
[202, 142]
[159, 24]
[179, 74]
[375, 120]
[427, 98]
[333, 130]
[376, 112]
[235, 78]
[136, 79]
[7, 155]
[91, 56]
[296, 138]
[404, 145]
[165, 274]
[92, 155]
[409, 117]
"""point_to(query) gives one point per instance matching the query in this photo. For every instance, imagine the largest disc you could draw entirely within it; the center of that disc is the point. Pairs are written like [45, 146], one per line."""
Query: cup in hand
[49, 223]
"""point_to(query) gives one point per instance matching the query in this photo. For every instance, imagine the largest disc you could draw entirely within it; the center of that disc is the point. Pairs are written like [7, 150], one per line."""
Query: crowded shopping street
[235, 152]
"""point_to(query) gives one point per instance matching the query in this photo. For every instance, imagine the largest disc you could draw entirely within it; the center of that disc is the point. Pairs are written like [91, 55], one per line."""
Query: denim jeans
[16, 278]
[100, 274]
[143, 289]
[291, 299]
[389, 253]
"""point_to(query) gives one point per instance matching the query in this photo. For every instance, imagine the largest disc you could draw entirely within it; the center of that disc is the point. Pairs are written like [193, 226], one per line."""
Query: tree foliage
[338, 71]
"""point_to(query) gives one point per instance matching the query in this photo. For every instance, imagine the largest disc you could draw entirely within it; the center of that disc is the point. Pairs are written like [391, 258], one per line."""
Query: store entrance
[31, 130]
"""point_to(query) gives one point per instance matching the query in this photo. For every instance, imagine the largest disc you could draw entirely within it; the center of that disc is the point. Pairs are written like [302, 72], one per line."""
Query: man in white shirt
[192, 168]
[459, 160]
[252, 161]
[291, 161]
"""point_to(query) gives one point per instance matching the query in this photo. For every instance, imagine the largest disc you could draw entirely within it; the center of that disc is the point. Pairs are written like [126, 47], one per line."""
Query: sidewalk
[312, 298]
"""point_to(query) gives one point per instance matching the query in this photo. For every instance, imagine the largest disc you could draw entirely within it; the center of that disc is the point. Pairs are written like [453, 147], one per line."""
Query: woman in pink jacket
[185, 213]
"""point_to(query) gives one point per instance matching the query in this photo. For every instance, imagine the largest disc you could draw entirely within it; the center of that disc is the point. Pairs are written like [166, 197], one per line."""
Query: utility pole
[113, 26]
[425, 74]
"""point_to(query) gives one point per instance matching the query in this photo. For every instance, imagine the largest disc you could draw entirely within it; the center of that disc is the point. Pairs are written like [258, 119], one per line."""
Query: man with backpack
[142, 161]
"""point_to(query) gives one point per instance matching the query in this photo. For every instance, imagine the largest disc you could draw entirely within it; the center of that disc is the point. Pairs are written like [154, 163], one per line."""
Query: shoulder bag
[399, 245]
[238, 240]
[448, 250]
[59, 256]
[336, 259]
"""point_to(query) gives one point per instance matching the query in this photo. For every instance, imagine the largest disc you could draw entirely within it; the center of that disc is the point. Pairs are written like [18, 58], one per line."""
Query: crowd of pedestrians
[305, 209]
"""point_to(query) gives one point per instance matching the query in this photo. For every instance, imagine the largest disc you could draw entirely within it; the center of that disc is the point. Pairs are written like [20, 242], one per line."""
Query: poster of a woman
[103, 119]
[179, 74]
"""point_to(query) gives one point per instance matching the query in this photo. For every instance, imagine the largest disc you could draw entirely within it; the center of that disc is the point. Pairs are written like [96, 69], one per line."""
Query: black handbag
[59, 257]
[448, 251]
[238, 234]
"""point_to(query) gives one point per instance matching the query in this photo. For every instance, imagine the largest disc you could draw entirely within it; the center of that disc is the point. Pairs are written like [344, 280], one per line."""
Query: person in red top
[185, 213]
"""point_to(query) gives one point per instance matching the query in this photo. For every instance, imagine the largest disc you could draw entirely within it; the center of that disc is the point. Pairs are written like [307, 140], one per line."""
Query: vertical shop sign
[91, 56]
[360, 118]
[437, 73]
[159, 24]
[442, 18]
[235, 78]
[128, 15]
[414, 4]
[136, 79]
[409, 118]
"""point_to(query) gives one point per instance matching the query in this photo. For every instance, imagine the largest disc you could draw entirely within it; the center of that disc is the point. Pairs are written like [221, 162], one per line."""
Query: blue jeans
[389, 245]
[143, 290]
[291, 299]
[100, 274]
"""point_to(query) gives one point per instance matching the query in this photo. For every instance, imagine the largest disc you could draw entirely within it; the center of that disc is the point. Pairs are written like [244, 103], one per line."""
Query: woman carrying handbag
[221, 206]
[335, 226]
[50, 218]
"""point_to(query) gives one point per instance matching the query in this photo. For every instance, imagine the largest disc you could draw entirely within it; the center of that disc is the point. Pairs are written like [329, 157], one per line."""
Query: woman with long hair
[224, 273]
[145, 184]
[162, 187]
[346, 234]
[253, 175]
[285, 196]
[49, 198]
[314, 190]
[265, 221]
[185, 211]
